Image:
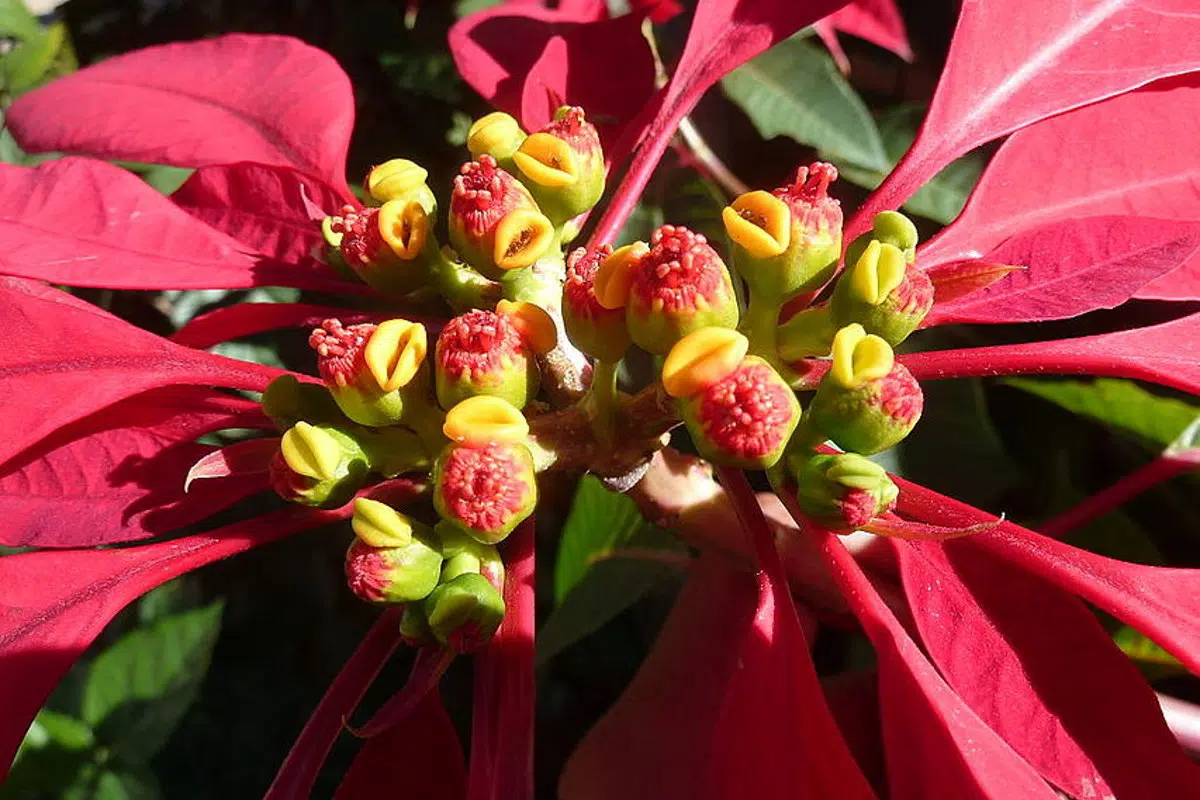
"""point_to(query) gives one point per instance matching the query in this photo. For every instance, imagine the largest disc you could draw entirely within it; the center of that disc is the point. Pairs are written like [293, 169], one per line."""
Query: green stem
[603, 400]
[462, 287]
[760, 324]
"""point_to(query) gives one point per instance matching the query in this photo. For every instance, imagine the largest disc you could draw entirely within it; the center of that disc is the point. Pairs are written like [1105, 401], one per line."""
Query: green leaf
[599, 522]
[1118, 403]
[465, 8]
[16, 21]
[60, 730]
[138, 689]
[609, 587]
[27, 63]
[795, 90]
[943, 197]
[1154, 661]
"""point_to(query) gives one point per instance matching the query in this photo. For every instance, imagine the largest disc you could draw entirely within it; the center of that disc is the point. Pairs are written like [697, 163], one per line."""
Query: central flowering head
[670, 288]
[787, 241]
[484, 480]
[738, 409]
[386, 246]
[318, 465]
[883, 292]
[843, 491]
[369, 368]
[563, 165]
[486, 353]
[495, 225]
[393, 559]
[867, 402]
[598, 331]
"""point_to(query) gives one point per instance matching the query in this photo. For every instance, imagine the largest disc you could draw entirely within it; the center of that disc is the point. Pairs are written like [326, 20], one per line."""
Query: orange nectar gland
[883, 292]
[536, 326]
[614, 277]
[563, 165]
[702, 358]
[760, 222]
[867, 402]
[366, 367]
[495, 225]
[598, 331]
[382, 245]
[484, 352]
[680, 285]
[484, 420]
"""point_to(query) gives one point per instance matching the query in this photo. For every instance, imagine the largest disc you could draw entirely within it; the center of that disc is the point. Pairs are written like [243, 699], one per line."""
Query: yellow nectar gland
[536, 326]
[395, 178]
[332, 238]
[521, 238]
[879, 270]
[760, 222]
[404, 225]
[379, 525]
[311, 452]
[484, 419]
[701, 359]
[547, 161]
[395, 353]
[614, 277]
[859, 357]
[496, 134]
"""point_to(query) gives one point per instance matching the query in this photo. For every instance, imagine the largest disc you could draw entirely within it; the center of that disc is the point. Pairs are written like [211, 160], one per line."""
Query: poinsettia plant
[466, 350]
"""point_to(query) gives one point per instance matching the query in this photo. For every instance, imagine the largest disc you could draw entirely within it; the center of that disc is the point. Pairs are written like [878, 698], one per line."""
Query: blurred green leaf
[29, 62]
[465, 7]
[138, 689]
[795, 90]
[1118, 403]
[61, 730]
[944, 195]
[52, 758]
[16, 20]
[1154, 662]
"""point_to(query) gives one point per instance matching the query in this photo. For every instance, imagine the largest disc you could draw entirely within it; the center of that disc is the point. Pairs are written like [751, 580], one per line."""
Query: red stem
[299, 770]
[1106, 500]
[750, 514]
[501, 766]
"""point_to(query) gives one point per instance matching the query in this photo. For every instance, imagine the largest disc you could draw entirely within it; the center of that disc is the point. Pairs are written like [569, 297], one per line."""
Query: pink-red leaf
[603, 65]
[249, 457]
[270, 99]
[1014, 63]
[1163, 603]
[936, 746]
[1031, 660]
[877, 21]
[1074, 266]
[118, 475]
[87, 223]
[266, 208]
[55, 603]
[246, 319]
[421, 757]
[1168, 354]
[65, 362]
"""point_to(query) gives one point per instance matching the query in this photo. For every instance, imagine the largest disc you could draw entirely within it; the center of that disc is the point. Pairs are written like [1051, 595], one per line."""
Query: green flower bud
[484, 353]
[497, 135]
[598, 331]
[465, 612]
[563, 166]
[888, 227]
[372, 371]
[288, 401]
[787, 242]
[401, 179]
[495, 225]
[414, 627]
[393, 559]
[389, 247]
[882, 292]
[485, 490]
[841, 492]
[866, 402]
[465, 553]
[318, 465]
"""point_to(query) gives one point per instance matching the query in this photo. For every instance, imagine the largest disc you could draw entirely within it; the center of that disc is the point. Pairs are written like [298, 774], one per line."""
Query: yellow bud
[760, 222]
[521, 238]
[879, 270]
[701, 359]
[615, 275]
[535, 325]
[497, 134]
[395, 178]
[379, 525]
[484, 419]
[332, 238]
[395, 352]
[547, 161]
[311, 452]
[404, 225]
[859, 357]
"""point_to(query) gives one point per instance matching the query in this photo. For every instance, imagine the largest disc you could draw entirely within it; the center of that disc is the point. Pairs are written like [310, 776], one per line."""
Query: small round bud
[318, 465]
[841, 492]
[495, 225]
[680, 285]
[399, 179]
[867, 402]
[888, 227]
[383, 245]
[482, 558]
[372, 370]
[485, 490]
[482, 352]
[598, 331]
[392, 560]
[882, 292]
[497, 135]
[464, 613]
[563, 166]
[288, 401]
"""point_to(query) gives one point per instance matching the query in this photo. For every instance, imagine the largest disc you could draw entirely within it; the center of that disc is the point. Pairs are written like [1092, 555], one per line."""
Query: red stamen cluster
[579, 290]
[808, 198]
[477, 343]
[340, 350]
[362, 241]
[680, 268]
[859, 507]
[914, 295]
[367, 571]
[748, 413]
[484, 487]
[899, 395]
[483, 193]
[579, 134]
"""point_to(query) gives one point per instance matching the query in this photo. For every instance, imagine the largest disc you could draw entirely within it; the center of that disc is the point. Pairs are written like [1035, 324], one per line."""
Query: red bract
[877, 21]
